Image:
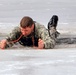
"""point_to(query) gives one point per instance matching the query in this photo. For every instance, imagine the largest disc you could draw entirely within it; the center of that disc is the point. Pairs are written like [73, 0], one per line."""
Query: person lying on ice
[33, 34]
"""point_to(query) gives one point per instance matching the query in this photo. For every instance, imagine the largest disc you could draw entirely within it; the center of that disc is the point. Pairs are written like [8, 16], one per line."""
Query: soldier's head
[26, 25]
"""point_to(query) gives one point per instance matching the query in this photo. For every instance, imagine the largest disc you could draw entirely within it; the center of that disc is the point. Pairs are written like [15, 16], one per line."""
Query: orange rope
[16, 40]
[33, 40]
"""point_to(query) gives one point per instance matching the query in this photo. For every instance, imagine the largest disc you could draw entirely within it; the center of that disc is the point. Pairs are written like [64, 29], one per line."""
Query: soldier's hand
[40, 44]
[2, 44]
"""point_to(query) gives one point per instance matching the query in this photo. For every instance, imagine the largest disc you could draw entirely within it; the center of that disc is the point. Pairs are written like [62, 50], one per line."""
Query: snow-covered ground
[23, 61]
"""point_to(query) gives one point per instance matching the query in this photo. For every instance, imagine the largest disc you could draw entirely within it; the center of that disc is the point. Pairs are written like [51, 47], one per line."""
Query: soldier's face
[27, 31]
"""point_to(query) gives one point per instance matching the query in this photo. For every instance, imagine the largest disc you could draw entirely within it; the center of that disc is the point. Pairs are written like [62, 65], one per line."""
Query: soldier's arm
[48, 41]
[9, 41]
[44, 35]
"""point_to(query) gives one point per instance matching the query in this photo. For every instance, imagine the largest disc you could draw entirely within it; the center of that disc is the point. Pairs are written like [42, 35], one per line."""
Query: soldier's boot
[52, 24]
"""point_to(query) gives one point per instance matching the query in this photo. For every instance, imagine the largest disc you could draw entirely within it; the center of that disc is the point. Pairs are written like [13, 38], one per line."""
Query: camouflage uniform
[39, 32]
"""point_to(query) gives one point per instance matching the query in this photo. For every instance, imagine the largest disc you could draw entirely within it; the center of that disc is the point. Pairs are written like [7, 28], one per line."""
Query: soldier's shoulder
[16, 28]
[39, 25]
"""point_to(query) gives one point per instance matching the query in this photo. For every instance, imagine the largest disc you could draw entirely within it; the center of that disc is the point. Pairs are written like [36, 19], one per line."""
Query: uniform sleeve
[48, 41]
[14, 35]
[44, 35]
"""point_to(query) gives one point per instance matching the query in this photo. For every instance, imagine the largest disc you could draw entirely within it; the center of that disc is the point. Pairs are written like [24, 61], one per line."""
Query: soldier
[31, 33]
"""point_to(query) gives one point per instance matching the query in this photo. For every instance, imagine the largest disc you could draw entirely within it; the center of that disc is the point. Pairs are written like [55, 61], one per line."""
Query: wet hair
[26, 22]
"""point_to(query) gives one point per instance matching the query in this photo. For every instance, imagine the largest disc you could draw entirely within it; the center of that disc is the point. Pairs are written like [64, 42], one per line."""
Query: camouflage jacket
[39, 32]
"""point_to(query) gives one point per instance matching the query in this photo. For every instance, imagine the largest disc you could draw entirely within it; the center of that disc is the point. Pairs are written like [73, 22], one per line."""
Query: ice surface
[27, 61]
[38, 62]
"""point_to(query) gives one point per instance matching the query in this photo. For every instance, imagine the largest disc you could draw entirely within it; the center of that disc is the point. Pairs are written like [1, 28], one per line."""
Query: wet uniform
[39, 32]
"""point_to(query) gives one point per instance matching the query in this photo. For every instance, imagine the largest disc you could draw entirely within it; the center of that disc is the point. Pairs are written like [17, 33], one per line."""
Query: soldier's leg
[52, 24]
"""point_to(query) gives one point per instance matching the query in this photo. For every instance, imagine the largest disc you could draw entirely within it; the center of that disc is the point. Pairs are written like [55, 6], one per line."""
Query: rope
[16, 39]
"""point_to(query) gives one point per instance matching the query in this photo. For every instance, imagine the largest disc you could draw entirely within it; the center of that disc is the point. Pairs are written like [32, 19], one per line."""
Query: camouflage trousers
[53, 33]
